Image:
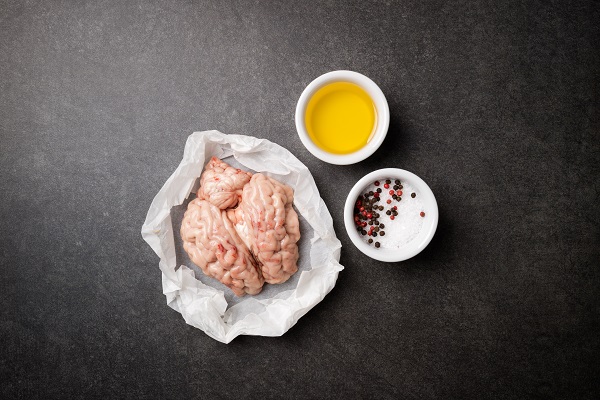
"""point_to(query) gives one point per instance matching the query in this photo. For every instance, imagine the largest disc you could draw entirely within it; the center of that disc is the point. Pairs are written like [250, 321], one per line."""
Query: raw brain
[246, 246]
[221, 184]
[213, 244]
[268, 224]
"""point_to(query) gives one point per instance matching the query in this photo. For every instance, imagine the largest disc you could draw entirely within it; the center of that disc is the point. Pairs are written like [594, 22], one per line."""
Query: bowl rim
[381, 104]
[412, 248]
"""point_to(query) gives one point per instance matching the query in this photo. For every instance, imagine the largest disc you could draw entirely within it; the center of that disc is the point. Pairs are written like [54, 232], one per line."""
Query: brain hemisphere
[221, 184]
[245, 246]
[269, 226]
[213, 244]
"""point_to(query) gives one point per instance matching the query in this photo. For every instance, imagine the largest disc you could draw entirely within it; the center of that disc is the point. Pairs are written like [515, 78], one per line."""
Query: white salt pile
[405, 218]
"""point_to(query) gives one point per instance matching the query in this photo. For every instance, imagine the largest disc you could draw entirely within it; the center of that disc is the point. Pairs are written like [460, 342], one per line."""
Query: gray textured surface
[494, 104]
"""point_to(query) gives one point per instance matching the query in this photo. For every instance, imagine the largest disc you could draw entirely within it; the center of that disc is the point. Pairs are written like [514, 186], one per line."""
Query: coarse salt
[406, 225]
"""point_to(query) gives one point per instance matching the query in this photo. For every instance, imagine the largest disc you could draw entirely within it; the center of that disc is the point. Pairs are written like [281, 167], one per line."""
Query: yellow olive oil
[341, 118]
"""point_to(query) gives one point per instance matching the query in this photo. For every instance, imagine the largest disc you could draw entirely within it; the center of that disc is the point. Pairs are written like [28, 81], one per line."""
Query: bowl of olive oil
[342, 117]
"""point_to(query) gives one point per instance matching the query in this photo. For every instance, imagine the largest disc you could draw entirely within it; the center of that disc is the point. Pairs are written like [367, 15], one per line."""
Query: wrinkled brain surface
[268, 224]
[221, 184]
[245, 246]
[214, 245]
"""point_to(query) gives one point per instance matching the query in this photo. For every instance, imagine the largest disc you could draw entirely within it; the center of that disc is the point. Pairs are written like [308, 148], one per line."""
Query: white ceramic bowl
[381, 105]
[426, 233]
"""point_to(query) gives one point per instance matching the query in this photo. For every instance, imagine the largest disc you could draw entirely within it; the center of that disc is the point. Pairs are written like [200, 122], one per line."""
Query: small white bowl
[381, 105]
[426, 233]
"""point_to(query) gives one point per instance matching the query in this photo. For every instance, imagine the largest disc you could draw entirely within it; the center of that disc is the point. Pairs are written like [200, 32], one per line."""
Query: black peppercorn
[413, 195]
[382, 233]
[377, 244]
[382, 226]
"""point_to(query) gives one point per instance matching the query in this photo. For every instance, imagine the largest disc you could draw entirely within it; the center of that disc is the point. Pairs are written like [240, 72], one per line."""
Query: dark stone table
[495, 104]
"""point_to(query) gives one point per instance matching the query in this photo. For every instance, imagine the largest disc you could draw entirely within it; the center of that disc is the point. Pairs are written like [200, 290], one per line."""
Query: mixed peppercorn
[367, 209]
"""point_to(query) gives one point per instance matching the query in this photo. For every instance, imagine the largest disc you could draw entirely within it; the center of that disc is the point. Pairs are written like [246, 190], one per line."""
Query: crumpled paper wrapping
[277, 308]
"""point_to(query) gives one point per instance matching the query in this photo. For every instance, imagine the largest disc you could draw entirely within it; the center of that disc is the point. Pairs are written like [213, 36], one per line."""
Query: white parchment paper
[204, 302]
